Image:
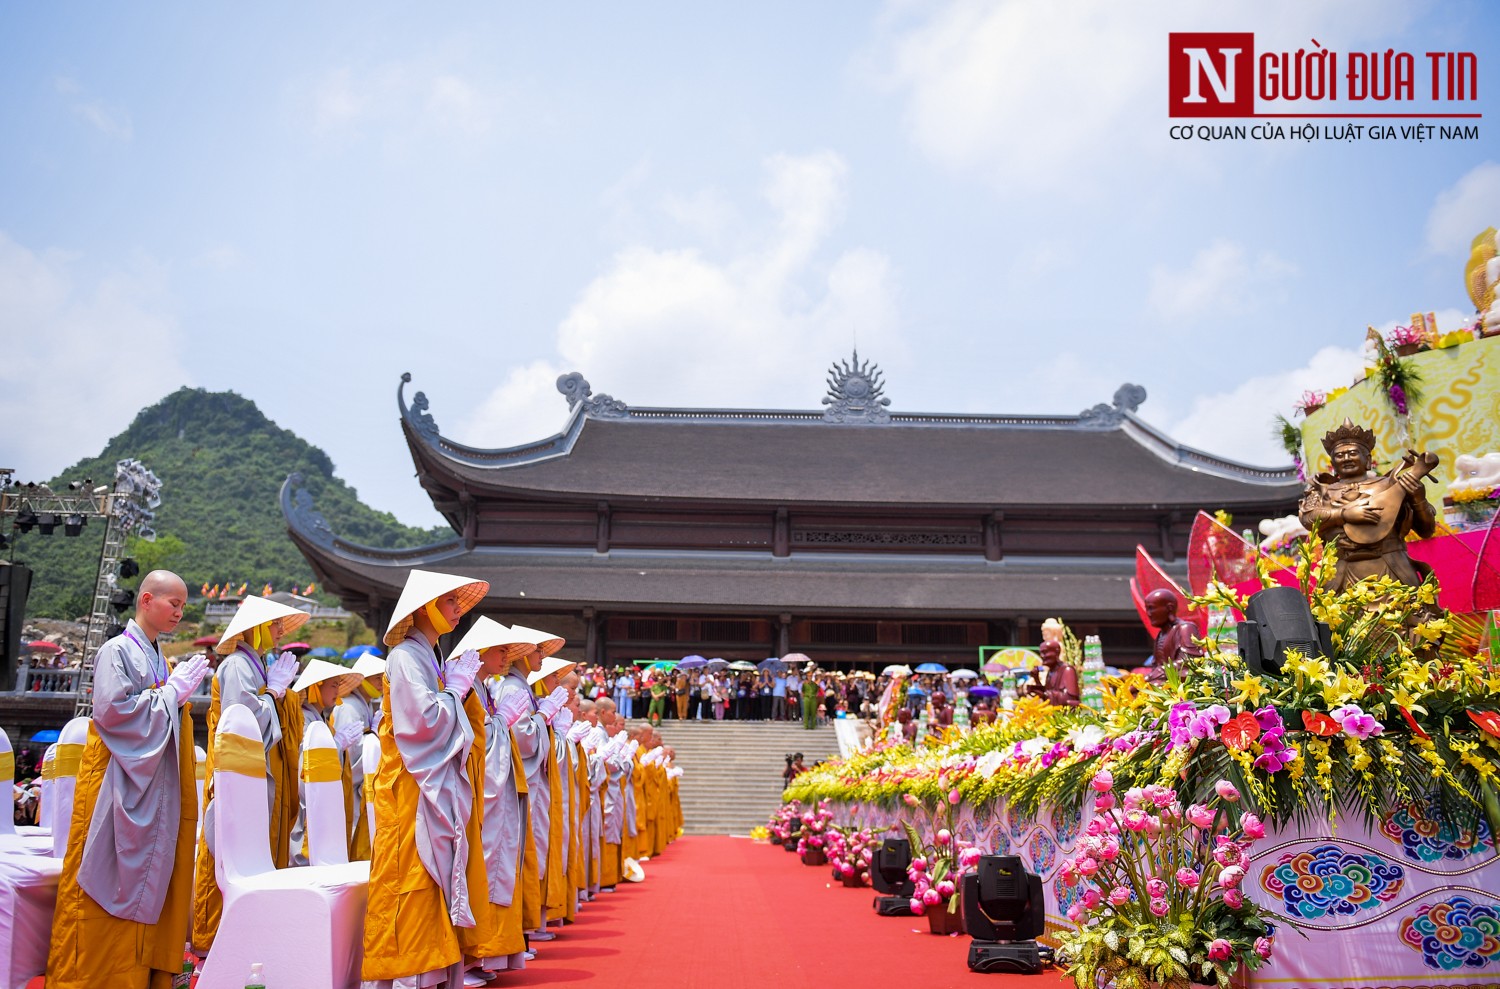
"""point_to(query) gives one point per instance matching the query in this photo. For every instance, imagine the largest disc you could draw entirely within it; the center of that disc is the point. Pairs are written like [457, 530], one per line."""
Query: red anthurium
[1320, 724]
[1239, 731]
[1411, 722]
[1488, 720]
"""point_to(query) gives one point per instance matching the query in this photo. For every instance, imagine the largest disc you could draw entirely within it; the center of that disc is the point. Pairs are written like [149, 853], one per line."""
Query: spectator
[778, 697]
[625, 693]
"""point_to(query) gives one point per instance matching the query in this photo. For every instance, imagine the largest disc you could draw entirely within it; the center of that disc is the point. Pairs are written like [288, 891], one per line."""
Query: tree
[160, 555]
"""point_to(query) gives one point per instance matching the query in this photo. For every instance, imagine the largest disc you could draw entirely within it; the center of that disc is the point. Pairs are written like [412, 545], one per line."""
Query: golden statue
[1366, 516]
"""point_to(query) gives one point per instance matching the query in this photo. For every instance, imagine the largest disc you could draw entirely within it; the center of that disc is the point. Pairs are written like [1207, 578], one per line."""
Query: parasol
[963, 675]
[932, 668]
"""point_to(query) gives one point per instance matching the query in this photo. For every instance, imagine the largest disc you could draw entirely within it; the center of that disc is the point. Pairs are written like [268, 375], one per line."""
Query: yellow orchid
[1251, 690]
[1402, 697]
[1344, 689]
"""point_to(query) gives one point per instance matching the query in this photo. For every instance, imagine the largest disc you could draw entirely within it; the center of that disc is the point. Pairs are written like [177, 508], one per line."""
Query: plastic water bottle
[257, 981]
[188, 976]
[1093, 673]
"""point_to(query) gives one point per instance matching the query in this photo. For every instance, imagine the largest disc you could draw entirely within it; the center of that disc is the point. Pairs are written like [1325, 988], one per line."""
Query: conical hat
[319, 670]
[486, 633]
[255, 611]
[550, 665]
[369, 665]
[423, 586]
[546, 642]
[632, 872]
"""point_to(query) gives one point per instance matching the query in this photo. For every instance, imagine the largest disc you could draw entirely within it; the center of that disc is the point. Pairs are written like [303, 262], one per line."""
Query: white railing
[46, 681]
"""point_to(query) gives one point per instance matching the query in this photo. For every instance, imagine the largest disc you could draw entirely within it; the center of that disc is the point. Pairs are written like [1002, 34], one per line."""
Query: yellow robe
[91, 948]
[512, 936]
[407, 928]
[284, 762]
[483, 939]
[555, 877]
[642, 846]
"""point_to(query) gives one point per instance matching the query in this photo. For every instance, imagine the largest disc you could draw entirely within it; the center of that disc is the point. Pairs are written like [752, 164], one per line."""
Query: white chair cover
[371, 767]
[44, 816]
[70, 743]
[305, 925]
[27, 838]
[202, 767]
[327, 843]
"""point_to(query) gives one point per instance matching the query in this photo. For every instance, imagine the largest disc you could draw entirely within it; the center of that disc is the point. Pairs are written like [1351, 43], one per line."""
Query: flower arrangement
[938, 865]
[1161, 902]
[813, 837]
[785, 822]
[1406, 336]
[850, 851]
[1310, 402]
[760, 834]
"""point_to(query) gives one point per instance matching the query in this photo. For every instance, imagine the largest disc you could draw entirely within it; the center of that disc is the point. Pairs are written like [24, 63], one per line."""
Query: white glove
[562, 723]
[552, 703]
[673, 773]
[578, 731]
[596, 737]
[186, 677]
[633, 746]
[459, 673]
[348, 736]
[281, 674]
[514, 705]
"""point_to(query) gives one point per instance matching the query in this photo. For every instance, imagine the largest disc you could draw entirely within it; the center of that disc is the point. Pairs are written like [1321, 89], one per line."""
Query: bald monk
[126, 890]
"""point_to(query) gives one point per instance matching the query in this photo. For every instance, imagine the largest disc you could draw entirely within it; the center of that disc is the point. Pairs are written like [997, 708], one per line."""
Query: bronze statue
[1062, 680]
[1366, 516]
[1175, 637]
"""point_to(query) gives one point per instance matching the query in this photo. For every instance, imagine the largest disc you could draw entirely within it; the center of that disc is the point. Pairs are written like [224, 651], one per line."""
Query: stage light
[121, 599]
[4, 543]
[1278, 619]
[888, 877]
[73, 525]
[129, 568]
[1004, 912]
[46, 523]
[25, 520]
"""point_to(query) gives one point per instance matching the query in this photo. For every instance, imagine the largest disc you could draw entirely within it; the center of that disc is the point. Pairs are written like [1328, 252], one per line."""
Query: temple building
[856, 535]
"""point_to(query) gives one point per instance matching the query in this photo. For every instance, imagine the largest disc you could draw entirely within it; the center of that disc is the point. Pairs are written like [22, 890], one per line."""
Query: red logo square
[1211, 75]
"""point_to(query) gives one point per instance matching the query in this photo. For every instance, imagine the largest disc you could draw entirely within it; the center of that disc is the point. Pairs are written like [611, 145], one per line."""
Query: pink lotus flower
[1188, 879]
[1104, 802]
[919, 865]
[911, 800]
[1250, 824]
[1234, 899]
[1200, 816]
[917, 906]
[954, 796]
[1156, 887]
[1159, 908]
[846, 869]
[1135, 820]
[1103, 781]
[1226, 791]
[1231, 877]
[932, 898]
[1086, 866]
[1119, 896]
[1075, 912]
[1219, 949]
[1091, 898]
[1109, 849]
[945, 889]
[1263, 947]
[1134, 797]
[943, 837]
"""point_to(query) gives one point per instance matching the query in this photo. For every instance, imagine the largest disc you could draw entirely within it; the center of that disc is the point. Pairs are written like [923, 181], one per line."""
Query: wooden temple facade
[854, 534]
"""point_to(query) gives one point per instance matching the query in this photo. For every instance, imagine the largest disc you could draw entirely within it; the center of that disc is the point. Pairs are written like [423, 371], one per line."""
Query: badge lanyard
[153, 656]
[260, 664]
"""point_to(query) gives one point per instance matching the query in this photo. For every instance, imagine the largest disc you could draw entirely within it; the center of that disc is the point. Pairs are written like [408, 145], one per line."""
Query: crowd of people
[805, 694]
[505, 797]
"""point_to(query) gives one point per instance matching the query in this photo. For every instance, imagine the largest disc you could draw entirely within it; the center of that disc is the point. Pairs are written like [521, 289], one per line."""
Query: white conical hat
[632, 872]
[486, 633]
[550, 665]
[255, 611]
[369, 665]
[423, 586]
[546, 642]
[319, 670]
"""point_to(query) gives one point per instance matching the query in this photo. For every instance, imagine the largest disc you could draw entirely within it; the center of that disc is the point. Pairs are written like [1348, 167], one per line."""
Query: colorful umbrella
[983, 690]
[963, 675]
[773, 664]
[45, 735]
[743, 665]
[896, 671]
[323, 652]
[691, 663]
[297, 648]
[42, 645]
[206, 640]
[357, 651]
[715, 665]
[932, 668]
[796, 659]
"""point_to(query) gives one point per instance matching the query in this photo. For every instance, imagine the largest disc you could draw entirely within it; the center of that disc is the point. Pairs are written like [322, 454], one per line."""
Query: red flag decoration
[204, 589]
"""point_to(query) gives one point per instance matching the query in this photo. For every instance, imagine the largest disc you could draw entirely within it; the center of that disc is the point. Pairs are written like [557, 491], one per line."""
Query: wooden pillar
[783, 634]
[994, 548]
[781, 537]
[1164, 530]
[601, 542]
[591, 641]
[470, 513]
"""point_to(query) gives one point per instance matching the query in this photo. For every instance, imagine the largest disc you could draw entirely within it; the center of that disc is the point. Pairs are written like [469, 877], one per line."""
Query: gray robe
[242, 682]
[614, 801]
[598, 777]
[505, 809]
[434, 738]
[533, 742]
[356, 710]
[128, 854]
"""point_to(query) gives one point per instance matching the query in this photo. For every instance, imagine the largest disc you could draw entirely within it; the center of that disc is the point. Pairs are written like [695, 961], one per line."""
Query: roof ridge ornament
[856, 393]
[302, 513]
[421, 420]
[575, 388]
[1128, 398]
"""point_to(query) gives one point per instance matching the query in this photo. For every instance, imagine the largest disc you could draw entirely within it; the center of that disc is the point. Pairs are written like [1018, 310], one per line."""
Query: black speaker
[1004, 912]
[1278, 619]
[888, 877]
[15, 585]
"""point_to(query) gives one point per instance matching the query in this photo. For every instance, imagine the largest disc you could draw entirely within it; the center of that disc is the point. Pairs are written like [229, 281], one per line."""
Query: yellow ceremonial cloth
[529, 881]
[609, 864]
[89, 947]
[321, 766]
[483, 939]
[578, 848]
[7, 765]
[208, 903]
[555, 877]
[67, 760]
[641, 843]
[676, 812]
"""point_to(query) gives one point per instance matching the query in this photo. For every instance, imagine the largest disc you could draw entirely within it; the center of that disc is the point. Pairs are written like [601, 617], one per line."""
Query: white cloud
[1221, 275]
[1237, 423]
[80, 359]
[403, 97]
[1066, 96]
[1462, 210]
[673, 326]
[110, 121]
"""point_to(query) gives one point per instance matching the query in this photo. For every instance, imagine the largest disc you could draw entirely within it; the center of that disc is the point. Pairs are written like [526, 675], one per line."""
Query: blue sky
[692, 205]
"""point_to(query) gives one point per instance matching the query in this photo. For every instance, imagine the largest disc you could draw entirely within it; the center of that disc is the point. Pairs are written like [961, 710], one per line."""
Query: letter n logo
[1211, 75]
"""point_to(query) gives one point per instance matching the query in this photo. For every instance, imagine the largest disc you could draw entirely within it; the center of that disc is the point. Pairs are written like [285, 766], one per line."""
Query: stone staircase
[731, 770]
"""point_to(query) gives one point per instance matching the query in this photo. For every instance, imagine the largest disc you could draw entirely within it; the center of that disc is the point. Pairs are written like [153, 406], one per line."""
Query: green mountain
[221, 463]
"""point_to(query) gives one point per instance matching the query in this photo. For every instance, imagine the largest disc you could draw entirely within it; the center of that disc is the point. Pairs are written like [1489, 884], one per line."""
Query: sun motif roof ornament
[856, 393]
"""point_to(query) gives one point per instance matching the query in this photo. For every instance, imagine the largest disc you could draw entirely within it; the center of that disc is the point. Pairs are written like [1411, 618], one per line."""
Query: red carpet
[728, 913]
[731, 914]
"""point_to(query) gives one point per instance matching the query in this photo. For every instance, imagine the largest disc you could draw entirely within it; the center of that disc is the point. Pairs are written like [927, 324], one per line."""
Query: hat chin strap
[439, 621]
[259, 638]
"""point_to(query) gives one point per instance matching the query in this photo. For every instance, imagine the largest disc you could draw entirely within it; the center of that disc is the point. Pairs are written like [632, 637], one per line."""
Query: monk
[427, 871]
[125, 895]
[252, 675]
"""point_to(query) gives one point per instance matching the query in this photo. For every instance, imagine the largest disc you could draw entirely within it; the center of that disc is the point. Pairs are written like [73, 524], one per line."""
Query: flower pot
[1406, 350]
[775, 839]
[789, 845]
[853, 881]
[940, 921]
[814, 856]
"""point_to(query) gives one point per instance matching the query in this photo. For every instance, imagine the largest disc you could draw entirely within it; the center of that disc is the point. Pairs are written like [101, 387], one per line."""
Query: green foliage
[221, 463]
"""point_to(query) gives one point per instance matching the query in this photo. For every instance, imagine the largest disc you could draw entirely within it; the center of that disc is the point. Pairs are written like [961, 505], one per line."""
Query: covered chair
[305, 925]
[323, 788]
[29, 871]
[26, 838]
[65, 765]
[371, 758]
